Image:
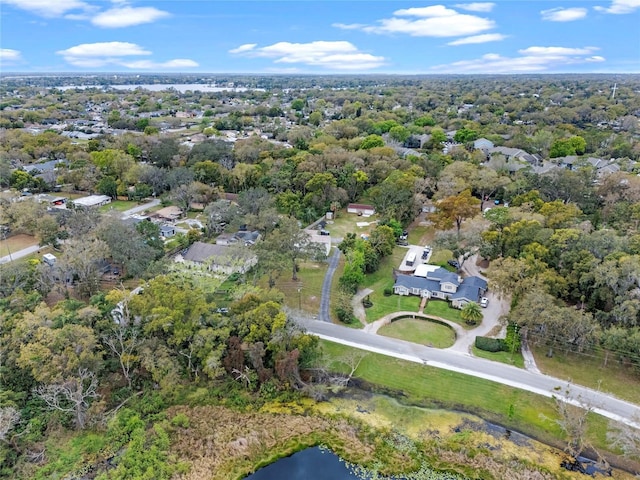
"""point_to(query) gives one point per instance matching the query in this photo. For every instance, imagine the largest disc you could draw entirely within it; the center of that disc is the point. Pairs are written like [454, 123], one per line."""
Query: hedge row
[489, 344]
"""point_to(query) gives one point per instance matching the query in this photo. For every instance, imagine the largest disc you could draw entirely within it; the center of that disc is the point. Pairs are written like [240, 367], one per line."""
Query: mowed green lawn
[420, 331]
[514, 359]
[441, 308]
[118, 206]
[381, 279]
[309, 283]
[590, 371]
[416, 384]
[347, 223]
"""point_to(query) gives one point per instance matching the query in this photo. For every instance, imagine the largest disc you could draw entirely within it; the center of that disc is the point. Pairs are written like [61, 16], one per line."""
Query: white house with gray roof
[442, 284]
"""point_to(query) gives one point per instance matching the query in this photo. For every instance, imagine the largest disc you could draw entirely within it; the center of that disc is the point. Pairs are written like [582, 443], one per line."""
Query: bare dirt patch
[16, 242]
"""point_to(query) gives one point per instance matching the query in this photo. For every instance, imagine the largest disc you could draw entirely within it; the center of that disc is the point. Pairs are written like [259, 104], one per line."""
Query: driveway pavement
[140, 208]
[19, 254]
[325, 299]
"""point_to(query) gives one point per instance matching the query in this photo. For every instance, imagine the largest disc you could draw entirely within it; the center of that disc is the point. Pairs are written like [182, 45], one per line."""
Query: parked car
[484, 302]
[115, 271]
[454, 263]
[223, 310]
[325, 232]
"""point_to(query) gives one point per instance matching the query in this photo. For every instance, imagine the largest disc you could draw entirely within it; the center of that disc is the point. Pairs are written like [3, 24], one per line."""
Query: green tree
[107, 186]
[372, 141]
[471, 313]
[293, 243]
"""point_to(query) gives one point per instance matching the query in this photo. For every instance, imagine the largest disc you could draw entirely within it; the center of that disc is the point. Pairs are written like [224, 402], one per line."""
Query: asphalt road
[325, 299]
[602, 403]
[19, 254]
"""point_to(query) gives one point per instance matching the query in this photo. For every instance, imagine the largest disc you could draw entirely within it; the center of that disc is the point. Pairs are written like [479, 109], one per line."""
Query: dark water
[321, 464]
[309, 464]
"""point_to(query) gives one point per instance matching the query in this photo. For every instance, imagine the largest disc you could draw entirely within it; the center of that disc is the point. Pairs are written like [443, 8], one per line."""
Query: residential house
[220, 258]
[483, 144]
[440, 283]
[242, 237]
[91, 201]
[168, 214]
[569, 162]
[167, 231]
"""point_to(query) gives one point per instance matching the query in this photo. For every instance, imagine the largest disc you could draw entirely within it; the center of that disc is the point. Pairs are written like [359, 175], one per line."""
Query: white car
[484, 302]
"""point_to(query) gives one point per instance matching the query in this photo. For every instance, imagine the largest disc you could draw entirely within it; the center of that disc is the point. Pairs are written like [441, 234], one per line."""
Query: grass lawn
[309, 284]
[591, 372]
[440, 257]
[505, 357]
[118, 206]
[345, 223]
[16, 242]
[394, 303]
[383, 278]
[431, 387]
[421, 235]
[441, 308]
[420, 331]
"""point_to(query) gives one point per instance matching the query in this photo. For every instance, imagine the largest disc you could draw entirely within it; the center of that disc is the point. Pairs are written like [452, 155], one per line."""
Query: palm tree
[471, 313]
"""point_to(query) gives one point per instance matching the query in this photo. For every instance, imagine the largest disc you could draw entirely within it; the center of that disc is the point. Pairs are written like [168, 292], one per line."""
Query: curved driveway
[606, 405]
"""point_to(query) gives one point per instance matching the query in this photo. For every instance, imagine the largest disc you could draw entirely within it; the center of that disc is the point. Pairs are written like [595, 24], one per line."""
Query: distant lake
[181, 87]
[317, 464]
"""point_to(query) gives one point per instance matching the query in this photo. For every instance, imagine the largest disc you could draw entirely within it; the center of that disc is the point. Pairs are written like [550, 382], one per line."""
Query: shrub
[388, 291]
[489, 344]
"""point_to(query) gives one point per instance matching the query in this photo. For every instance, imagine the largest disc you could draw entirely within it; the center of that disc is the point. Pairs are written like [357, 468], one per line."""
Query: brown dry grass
[16, 242]
[220, 443]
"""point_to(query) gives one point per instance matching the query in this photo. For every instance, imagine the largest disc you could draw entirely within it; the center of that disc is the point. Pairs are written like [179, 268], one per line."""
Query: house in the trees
[483, 144]
[167, 231]
[219, 258]
[436, 282]
[361, 209]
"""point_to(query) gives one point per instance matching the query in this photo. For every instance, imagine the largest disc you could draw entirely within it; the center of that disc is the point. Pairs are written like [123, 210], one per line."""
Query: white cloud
[9, 56]
[564, 14]
[127, 16]
[148, 64]
[104, 49]
[487, 37]
[338, 55]
[48, 8]
[551, 51]
[432, 21]
[120, 15]
[244, 48]
[620, 7]
[102, 54]
[532, 59]
[477, 6]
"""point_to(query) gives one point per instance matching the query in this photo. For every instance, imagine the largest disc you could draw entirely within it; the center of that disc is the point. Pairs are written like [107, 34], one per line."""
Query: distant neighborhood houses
[432, 281]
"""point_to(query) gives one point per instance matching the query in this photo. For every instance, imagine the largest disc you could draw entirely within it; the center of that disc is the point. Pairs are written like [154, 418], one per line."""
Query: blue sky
[515, 36]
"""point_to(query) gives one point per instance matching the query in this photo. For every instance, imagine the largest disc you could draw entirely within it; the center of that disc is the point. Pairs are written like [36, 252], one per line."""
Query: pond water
[310, 464]
[321, 464]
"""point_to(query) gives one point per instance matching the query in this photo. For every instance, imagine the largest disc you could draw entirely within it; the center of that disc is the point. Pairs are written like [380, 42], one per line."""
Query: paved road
[325, 299]
[140, 208]
[19, 254]
[601, 403]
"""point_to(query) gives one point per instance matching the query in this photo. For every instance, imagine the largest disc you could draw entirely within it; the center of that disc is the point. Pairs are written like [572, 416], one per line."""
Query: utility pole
[613, 94]
[299, 298]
